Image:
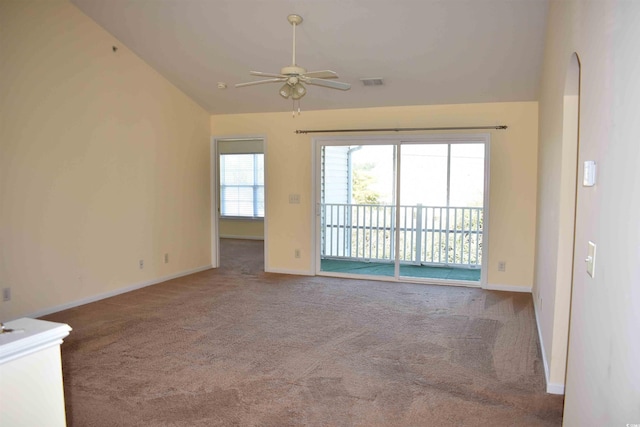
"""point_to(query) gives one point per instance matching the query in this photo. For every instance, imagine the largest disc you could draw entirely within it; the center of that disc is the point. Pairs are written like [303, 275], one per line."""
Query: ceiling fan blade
[328, 83]
[324, 74]
[261, 74]
[259, 82]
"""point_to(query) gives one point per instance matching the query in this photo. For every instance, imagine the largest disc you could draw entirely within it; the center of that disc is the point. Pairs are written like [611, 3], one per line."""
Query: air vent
[372, 81]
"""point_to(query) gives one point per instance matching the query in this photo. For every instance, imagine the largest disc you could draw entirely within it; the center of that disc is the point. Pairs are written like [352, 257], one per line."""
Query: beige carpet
[238, 347]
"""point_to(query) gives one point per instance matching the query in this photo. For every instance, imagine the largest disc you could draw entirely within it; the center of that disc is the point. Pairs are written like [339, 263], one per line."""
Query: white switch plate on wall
[294, 199]
[589, 176]
[591, 259]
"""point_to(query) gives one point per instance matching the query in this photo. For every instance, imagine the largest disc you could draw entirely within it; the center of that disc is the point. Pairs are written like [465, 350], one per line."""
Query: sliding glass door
[409, 209]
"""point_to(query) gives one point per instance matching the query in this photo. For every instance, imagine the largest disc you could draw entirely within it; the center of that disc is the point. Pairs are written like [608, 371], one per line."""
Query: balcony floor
[387, 269]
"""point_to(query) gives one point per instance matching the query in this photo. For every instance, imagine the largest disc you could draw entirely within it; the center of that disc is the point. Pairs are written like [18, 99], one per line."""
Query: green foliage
[362, 181]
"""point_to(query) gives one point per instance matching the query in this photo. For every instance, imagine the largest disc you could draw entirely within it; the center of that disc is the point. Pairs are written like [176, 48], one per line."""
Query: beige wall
[554, 233]
[288, 171]
[103, 163]
[602, 372]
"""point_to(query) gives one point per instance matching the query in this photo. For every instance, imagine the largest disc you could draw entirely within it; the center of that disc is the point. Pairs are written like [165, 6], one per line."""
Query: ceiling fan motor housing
[294, 19]
[293, 70]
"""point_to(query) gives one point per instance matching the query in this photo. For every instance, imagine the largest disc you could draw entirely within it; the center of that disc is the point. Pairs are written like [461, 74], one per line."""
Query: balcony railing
[429, 235]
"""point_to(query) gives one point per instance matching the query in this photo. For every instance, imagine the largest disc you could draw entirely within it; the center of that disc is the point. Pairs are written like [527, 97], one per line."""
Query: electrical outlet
[296, 253]
[141, 264]
[502, 266]
[166, 258]
[6, 294]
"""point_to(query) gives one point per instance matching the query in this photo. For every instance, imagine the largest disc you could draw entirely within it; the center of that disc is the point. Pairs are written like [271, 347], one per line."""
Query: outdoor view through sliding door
[357, 209]
[441, 211]
[410, 210]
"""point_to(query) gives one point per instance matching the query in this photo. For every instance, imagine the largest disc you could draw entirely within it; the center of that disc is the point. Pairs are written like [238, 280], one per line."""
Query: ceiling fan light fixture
[285, 91]
[298, 91]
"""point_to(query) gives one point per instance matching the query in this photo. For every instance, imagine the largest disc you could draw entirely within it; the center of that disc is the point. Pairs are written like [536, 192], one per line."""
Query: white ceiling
[427, 51]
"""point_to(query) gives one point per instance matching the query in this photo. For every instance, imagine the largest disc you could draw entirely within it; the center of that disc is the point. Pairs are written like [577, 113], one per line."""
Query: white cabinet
[31, 392]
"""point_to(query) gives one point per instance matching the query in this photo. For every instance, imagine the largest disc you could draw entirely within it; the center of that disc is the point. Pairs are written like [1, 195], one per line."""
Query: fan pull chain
[293, 110]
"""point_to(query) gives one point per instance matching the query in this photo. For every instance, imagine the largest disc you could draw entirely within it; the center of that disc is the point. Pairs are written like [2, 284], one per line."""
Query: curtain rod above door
[500, 127]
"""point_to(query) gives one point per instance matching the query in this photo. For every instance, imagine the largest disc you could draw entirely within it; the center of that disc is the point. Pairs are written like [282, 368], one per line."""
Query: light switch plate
[294, 199]
[591, 259]
[589, 175]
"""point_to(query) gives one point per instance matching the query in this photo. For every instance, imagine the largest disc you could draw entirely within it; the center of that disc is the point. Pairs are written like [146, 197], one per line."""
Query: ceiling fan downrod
[294, 20]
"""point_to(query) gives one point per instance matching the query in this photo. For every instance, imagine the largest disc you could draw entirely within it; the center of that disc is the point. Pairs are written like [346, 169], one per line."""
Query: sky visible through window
[424, 173]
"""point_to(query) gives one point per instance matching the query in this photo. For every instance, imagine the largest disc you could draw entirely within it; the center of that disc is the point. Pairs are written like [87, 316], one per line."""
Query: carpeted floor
[239, 347]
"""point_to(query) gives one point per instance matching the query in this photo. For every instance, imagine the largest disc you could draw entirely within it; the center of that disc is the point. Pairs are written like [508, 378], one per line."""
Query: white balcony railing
[429, 235]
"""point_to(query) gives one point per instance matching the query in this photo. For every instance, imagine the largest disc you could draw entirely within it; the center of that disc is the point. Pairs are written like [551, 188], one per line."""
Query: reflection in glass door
[357, 209]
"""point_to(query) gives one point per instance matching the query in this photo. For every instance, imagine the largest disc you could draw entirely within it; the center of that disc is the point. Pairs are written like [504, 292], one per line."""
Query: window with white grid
[242, 185]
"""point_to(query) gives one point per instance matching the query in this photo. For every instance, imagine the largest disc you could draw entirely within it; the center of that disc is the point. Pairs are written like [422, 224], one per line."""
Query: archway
[567, 214]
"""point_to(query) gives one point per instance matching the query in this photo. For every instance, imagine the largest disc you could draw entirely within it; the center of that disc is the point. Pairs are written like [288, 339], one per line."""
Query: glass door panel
[423, 201]
[440, 212]
[357, 209]
[466, 198]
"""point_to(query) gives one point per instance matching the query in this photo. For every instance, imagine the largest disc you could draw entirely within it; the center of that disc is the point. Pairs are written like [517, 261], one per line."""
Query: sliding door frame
[398, 141]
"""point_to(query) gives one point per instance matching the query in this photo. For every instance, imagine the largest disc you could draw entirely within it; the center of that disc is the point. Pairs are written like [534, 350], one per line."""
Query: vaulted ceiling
[427, 51]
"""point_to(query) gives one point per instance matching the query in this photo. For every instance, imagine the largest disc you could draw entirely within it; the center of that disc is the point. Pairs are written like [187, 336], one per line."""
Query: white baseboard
[552, 388]
[240, 237]
[294, 272]
[509, 288]
[115, 292]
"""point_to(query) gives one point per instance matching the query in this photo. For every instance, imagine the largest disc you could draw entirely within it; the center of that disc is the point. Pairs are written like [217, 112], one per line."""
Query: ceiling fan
[293, 76]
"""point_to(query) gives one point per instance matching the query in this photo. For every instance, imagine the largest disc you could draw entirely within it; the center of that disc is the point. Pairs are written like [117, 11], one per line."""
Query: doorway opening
[411, 209]
[238, 191]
